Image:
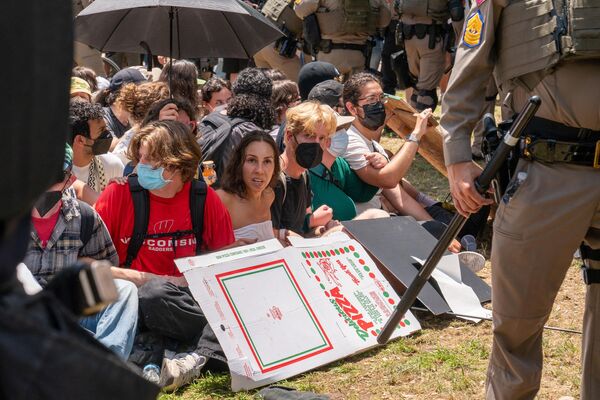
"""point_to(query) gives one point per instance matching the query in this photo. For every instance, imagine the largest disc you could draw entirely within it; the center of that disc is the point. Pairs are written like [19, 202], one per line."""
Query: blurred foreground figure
[45, 353]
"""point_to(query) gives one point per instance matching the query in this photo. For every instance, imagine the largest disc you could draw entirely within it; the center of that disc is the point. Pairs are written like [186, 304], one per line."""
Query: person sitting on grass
[308, 124]
[247, 186]
[65, 230]
[184, 218]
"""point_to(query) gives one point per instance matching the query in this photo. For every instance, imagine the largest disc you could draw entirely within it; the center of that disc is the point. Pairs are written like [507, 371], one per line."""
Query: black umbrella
[183, 28]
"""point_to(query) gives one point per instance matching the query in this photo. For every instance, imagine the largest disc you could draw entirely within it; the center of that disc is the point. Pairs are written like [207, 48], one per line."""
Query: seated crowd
[133, 192]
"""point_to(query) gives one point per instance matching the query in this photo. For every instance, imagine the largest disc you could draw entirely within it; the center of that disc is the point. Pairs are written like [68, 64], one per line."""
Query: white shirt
[358, 146]
[113, 167]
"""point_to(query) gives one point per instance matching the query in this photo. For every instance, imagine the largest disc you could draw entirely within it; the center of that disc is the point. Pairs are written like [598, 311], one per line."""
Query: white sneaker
[180, 369]
[472, 260]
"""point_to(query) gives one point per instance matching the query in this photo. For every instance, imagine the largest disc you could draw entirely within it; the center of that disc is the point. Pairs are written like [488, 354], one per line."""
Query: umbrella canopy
[199, 28]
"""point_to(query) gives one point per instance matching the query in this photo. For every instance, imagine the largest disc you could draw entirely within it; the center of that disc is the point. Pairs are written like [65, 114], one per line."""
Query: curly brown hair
[137, 99]
[233, 180]
[171, 143]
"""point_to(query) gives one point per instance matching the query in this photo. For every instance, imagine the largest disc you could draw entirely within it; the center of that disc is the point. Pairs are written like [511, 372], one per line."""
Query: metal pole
[482, 183]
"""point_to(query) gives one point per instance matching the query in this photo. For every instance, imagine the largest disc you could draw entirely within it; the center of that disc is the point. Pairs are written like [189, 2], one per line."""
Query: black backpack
[88, 218]
[141, 209]
[215, 139]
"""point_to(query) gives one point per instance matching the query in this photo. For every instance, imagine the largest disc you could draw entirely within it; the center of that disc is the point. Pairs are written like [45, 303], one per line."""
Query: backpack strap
[87, 222]
[283, 180]
[197, 201]
[141, 212]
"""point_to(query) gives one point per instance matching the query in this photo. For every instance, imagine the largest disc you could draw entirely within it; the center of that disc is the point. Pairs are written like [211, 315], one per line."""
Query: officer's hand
[462, 186]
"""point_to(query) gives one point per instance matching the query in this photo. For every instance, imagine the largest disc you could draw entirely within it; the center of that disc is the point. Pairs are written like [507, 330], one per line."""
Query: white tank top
[260, 231]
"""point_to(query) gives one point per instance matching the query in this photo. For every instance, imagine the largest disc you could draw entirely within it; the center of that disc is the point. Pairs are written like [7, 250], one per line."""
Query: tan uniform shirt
[304, 8]
[569, 95]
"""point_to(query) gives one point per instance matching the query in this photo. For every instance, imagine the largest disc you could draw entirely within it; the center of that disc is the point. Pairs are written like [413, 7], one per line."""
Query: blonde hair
[308, 116]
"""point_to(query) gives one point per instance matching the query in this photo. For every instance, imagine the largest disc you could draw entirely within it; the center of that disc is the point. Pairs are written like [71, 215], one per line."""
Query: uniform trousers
[268, 57]
[347, 61]
[537, 229]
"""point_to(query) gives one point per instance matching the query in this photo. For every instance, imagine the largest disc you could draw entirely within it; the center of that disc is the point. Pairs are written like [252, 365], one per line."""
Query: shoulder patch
[473, 30]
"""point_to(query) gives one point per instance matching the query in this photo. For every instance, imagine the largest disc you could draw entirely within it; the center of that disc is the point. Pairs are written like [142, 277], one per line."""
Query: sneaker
[472, 260]
[180, 369]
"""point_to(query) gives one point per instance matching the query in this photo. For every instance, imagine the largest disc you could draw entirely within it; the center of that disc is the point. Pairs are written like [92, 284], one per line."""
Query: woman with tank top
[247, 186]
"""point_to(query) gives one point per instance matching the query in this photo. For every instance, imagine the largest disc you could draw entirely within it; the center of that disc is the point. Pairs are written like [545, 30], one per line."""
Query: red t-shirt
[45, 226]
[157, 256]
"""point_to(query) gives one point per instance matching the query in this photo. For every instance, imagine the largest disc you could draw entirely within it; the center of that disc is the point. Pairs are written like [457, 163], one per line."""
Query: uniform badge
[473, 30]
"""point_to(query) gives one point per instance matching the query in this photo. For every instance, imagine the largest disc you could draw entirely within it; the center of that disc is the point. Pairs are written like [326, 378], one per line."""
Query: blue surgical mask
[151, 178]
[339, 143]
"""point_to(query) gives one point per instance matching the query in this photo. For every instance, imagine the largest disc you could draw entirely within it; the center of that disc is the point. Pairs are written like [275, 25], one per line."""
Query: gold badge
[472, 35]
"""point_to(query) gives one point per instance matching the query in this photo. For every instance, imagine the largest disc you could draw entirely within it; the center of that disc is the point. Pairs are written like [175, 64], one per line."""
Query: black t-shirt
[288, 210]
[115, 127]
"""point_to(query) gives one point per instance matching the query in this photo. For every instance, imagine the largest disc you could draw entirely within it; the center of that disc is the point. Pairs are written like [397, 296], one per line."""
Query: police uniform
[424, 27]
[282, 54]
[83, 54]
[345, 27]
[550, 207]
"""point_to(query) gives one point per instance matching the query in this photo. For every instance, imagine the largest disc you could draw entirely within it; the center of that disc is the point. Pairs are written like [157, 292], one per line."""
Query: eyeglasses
[374, 99]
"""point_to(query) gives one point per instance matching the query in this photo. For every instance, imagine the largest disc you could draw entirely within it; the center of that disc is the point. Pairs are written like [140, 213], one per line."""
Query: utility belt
[434, 31]
[552, 142]
[327, 45]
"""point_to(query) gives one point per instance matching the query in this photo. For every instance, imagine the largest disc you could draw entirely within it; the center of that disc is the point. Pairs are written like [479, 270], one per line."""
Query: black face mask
[309, 155]
[374, 116]
[46, 201]
[101, 143]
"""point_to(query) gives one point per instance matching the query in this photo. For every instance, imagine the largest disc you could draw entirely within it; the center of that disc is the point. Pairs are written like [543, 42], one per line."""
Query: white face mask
[339, 143]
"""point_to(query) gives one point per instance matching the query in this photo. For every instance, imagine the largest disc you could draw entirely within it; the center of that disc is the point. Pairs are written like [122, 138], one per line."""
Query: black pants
[171, 319]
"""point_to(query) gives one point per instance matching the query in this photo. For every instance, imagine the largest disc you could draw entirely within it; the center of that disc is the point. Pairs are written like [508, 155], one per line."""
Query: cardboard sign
[294, 309]
[402, 122]
[395, 243]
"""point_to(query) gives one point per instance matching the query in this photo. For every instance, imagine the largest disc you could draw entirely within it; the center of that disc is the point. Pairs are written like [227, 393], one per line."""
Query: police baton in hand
[482, 184]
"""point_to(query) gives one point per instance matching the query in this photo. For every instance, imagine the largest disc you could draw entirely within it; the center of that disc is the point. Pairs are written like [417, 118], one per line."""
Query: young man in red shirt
[167, 157]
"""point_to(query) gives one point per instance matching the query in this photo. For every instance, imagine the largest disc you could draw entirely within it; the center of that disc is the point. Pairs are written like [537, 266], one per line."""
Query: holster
[312, 33]
[399, 35]
[286, 45]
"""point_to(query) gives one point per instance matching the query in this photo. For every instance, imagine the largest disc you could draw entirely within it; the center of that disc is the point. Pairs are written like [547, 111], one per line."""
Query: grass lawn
[447, 359]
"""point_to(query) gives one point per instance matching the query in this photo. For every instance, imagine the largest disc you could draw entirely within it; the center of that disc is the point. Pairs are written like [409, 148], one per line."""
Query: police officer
[85, 55]
[344, 27]
[552, 204]
[283, 53]
[425, 31]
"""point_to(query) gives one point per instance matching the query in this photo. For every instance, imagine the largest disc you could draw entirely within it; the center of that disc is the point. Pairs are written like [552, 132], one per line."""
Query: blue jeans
[115, 326]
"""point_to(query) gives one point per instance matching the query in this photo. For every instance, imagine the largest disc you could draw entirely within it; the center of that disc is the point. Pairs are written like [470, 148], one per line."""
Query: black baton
[482, 184]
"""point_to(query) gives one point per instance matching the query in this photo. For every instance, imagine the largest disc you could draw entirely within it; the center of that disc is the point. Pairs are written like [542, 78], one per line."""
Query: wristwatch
[414, 138]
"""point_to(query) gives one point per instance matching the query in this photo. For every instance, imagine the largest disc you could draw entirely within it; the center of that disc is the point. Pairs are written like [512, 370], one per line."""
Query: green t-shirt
[339, 188]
